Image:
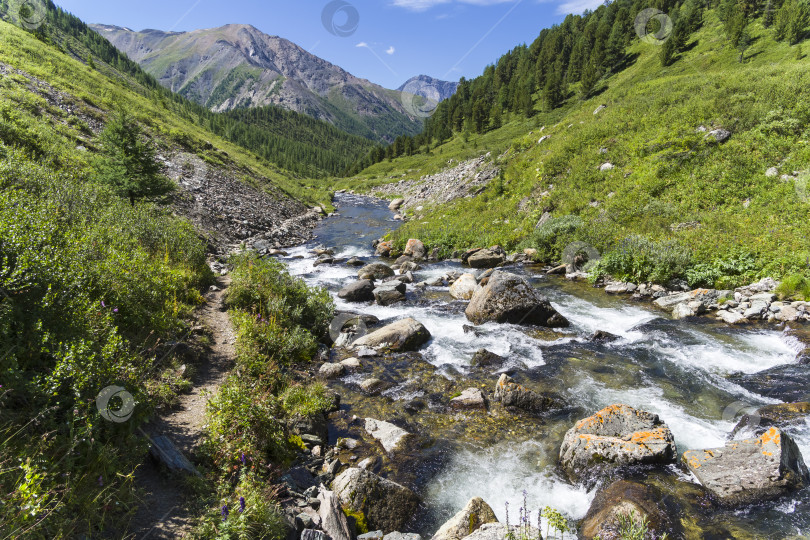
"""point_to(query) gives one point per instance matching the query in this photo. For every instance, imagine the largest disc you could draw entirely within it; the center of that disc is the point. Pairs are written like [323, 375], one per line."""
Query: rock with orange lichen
[615, 436]
[751, 470]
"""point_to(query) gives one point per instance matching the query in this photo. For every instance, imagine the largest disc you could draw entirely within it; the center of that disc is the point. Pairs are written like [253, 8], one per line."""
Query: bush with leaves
[638, 258]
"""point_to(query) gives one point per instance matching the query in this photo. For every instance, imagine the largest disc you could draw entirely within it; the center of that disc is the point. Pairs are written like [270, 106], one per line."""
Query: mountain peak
[429, 87]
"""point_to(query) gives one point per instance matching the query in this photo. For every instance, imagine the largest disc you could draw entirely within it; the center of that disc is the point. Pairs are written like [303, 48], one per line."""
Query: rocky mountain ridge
[237, 65]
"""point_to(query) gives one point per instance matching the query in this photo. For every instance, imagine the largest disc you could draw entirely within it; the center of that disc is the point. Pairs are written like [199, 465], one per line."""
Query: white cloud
[391, 50]
[362, 44]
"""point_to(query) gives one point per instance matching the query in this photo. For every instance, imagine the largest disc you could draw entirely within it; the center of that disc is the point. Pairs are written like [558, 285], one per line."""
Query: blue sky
[391, 41]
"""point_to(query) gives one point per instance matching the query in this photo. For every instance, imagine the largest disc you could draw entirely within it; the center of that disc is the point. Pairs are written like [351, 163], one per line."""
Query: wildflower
[115, 310]
[241, 504]
[243, 459]
[100, 480]
[224, 512]
[103, 304]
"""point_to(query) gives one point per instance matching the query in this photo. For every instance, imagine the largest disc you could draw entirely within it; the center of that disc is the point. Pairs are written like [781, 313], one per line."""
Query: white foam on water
[499, 475]
[588, 318]
[747, 352]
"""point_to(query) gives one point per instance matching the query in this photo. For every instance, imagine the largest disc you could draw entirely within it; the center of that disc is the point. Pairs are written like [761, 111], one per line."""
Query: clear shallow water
[676, 369]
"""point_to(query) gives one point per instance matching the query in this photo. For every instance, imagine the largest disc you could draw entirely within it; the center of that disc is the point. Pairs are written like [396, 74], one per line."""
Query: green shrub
[251, 513]
[263, 287]
[243, 419]
[639, 259]
[794, 286]
[307, 400]
[723, 273]
[551, 238]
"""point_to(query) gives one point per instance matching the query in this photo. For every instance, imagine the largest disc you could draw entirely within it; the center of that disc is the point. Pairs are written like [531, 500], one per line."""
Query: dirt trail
[164, 512]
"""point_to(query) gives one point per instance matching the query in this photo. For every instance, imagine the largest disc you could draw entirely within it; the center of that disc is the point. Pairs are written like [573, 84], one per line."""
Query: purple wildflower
[224, 512]
[241, 504]
[100, 480]
[115, 310]
[103, 304]
[243, 459]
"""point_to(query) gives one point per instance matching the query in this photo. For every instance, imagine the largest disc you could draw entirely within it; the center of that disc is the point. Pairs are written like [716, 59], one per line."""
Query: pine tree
[743, 43]
[767, 19]
[552, 92]
[128, 163]
[591, 74]
[668, 50]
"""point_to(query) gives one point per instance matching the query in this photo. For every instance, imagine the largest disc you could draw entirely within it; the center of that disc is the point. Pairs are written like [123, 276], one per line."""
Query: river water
[677, 369]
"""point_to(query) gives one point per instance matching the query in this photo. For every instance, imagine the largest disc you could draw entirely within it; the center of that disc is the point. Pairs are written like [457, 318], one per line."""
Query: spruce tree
[128, 162]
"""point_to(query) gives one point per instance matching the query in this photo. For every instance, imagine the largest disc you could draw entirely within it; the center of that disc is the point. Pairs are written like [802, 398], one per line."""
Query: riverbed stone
[620, 499]
[508, 298]
[731, 317]
[471, 398]
[402, 536]
[403, 335]
[389, 435]
[395, 204]
[485, 358]
[617, 435]
[333, 520]
[351, 364]
[751, 470]
[511, 394]
[415, 248]
[499, 531]
[475, 514]
[331, 371]
[374, 386]
[383, 249]
[359, 291]
[375, 271]
[487, 258]
[386, 505]
[389, 294]
[464, 287]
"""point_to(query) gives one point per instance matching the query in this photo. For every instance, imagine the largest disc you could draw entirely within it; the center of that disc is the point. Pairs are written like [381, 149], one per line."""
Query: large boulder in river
[487, 258]
[508, 298]
[375, 271]
[404, 335]
[359, 291]
[619, 500]
[386, 505]
[511, 394]
[464, 287]
[616, 435]
[752, 470]
[467, 521]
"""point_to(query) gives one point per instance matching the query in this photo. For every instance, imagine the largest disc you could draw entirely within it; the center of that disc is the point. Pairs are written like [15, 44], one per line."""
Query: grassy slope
[107, 89]
[666, 173]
